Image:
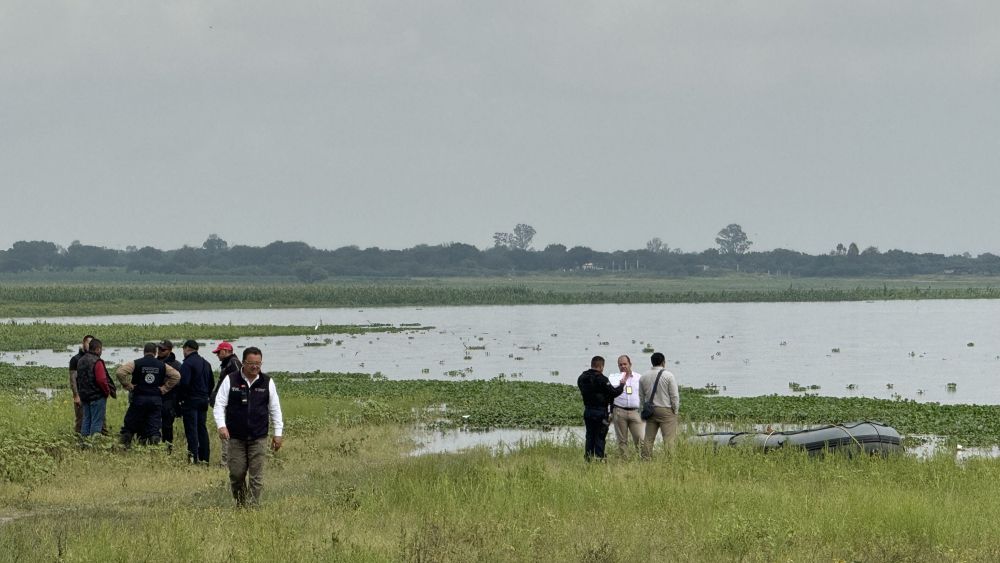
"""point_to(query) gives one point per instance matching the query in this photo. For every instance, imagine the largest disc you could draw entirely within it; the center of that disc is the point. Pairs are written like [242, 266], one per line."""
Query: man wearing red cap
[230, 364]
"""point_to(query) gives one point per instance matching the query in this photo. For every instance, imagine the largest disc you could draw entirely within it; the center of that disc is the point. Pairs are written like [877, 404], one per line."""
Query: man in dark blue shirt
[196, 388]
[598, 394]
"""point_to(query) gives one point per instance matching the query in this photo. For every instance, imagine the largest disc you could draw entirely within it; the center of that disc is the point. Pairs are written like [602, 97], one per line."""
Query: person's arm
[72, 383]
[173, 378]
[219, 410]
[101, 377]
[185, 374]
[211, 377]
[274, 407]
[211, 398]
[124, 374]
[675, 397]
[615, 391]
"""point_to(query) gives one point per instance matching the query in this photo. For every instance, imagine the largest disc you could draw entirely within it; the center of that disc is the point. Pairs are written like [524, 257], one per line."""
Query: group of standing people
[638, 406]
[161, 388]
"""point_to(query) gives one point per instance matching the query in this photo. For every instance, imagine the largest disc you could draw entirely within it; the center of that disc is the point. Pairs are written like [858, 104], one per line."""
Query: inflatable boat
[871, 437]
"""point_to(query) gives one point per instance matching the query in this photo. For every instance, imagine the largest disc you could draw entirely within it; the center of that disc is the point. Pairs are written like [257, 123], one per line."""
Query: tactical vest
[247, 414]
[86, 379]
[148, 376]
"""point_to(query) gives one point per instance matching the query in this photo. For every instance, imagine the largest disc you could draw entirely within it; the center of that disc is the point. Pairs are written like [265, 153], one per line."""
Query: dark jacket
[171, 360]
[247, 413]
[596, 389]
[196, 378]
[86, 378]
[229, 366]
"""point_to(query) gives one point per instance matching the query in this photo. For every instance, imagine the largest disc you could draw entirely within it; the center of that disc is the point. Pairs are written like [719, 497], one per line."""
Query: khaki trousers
[663, 421]
[246, 457]
[627, 422]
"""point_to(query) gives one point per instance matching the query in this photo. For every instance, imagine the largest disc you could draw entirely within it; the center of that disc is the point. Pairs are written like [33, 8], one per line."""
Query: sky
[600, 124]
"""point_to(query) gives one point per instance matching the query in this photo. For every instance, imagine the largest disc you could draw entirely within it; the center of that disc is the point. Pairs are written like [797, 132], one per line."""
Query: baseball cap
[191, 344]
[223, 346]
[165, 345]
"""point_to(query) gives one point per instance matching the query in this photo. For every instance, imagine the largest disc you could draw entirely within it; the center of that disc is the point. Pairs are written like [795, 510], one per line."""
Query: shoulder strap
[656, 384]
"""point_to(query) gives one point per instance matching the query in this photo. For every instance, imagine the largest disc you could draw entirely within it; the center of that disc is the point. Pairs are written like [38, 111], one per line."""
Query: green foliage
[524, 404]
[46, 299]
[342, 488]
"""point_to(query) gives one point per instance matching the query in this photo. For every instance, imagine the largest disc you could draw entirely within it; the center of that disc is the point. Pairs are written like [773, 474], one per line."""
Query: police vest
[148, 376]
[247, 414]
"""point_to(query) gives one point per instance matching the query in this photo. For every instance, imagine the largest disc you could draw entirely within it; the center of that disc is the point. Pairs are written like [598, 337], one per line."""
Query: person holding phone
[625, 409]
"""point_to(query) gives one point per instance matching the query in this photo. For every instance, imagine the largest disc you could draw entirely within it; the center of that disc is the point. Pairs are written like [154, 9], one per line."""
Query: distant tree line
[510, 255]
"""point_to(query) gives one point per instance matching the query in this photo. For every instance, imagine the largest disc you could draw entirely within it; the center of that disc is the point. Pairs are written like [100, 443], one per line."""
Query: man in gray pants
[247, 401]
[666, 402]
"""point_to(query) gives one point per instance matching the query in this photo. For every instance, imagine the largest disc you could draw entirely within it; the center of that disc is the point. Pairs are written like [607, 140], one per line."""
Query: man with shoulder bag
[661, 402]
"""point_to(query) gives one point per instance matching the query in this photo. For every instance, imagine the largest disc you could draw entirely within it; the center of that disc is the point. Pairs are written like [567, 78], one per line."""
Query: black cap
[191, 344]
[165, 345]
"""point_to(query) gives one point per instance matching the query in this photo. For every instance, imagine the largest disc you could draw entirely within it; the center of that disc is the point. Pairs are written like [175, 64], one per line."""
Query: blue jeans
[93, 417]
[195, 429]
[596, 422]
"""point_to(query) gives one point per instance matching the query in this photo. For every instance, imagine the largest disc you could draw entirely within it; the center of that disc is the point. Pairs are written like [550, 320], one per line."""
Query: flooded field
[942, 351]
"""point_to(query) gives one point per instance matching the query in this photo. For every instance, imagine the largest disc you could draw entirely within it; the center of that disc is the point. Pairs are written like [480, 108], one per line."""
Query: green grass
[30, 297]
[343, 490]
[354, 399]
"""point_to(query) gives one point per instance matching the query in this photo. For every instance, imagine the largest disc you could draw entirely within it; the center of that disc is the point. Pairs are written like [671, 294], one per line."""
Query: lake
[907, 349]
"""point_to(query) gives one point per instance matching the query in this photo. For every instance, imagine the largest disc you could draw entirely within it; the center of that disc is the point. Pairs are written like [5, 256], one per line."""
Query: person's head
[95, 346]
[149, 349]
[223, 350]
[86, 342]
[164, 349]
[597, 363]
[252, 360]
[189, 347]
[657, 359]
[624, 364]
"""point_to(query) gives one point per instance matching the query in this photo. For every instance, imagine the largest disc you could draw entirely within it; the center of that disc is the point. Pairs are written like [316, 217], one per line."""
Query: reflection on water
[497, 440]
[500, 441]
[899, 349]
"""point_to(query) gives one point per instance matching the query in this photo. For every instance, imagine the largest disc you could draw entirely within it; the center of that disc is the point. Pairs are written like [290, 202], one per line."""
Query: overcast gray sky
[601, 124]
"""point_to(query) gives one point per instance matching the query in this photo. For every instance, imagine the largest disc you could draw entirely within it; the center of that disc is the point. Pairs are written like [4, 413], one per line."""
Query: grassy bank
[353, 399]
[34, 298]
[343, 490]
[40, 336]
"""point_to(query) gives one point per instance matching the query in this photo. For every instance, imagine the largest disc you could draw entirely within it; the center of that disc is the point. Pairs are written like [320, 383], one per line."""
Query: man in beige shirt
[666, 402]
[147, 380]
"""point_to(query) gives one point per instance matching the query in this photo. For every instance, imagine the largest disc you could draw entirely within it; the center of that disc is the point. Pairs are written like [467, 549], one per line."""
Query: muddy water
[907, 349]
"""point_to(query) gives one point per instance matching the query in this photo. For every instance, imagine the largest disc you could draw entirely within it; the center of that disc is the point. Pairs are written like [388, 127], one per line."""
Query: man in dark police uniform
[148, 380]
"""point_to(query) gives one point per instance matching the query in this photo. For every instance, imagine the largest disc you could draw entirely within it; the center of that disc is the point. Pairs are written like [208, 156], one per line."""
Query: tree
[732, 240]
[840, 250]
[214, 243]
[308, 272]
[520, 239]
[656, 246]
[852, 251]
[501, 240]
[522, 236]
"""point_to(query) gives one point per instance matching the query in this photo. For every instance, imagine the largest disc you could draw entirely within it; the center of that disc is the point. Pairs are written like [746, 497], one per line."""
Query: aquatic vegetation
[70, 298]
[40, 335]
